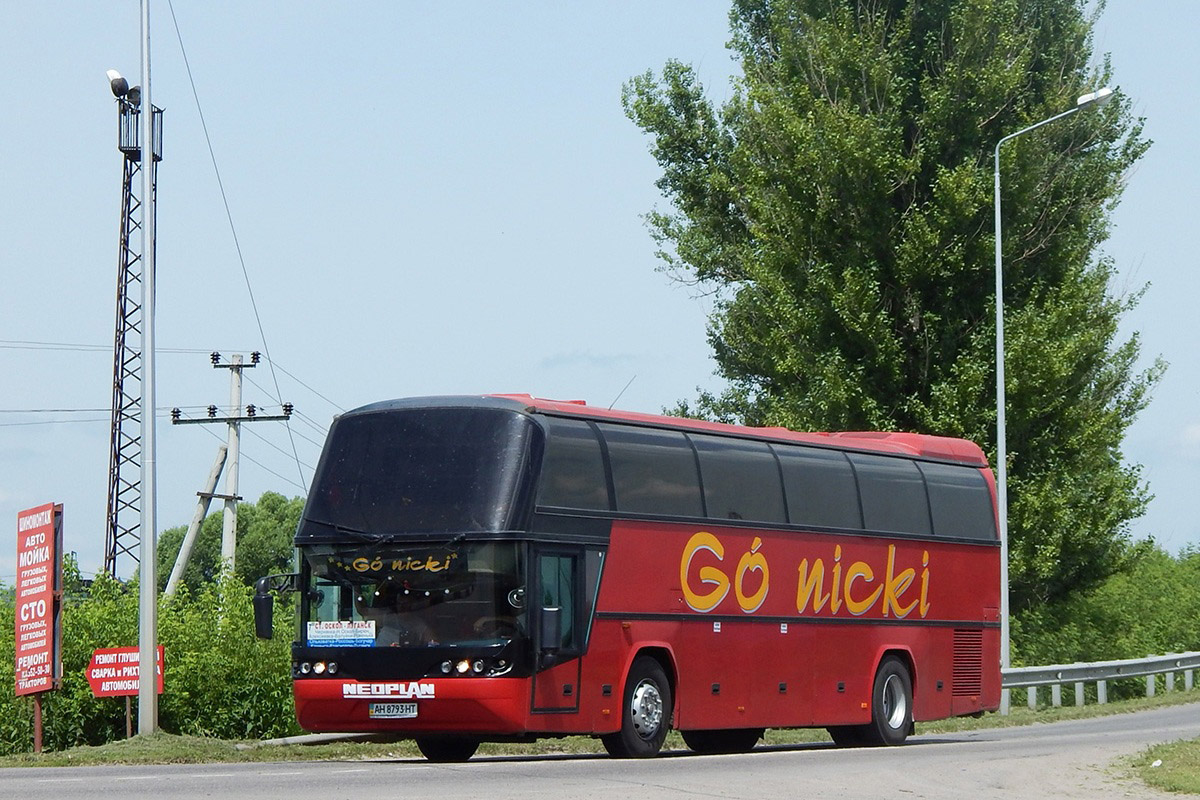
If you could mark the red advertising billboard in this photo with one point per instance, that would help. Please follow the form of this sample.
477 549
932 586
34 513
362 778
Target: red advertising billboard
114 671
39 578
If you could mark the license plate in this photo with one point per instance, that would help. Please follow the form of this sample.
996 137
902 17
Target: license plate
392 710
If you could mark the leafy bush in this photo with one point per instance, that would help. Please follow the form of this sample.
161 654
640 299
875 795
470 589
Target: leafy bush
219 680
1152 608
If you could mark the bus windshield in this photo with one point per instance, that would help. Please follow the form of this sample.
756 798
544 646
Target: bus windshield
419 471
414 596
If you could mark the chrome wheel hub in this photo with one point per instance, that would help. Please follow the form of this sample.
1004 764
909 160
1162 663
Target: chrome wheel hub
895 702
646 709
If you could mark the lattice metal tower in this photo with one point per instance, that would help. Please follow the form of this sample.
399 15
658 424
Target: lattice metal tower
125 450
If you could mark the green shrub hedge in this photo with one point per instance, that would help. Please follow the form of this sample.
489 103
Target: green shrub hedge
219 680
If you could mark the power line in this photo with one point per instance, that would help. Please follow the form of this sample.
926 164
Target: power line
313 442
271 444
259 464
50 422
160 411
303 417
18 344
232 228
314 391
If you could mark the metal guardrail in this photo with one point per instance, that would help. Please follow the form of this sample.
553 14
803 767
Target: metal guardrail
1100 672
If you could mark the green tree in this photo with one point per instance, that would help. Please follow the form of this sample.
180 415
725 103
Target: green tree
264 531
839 207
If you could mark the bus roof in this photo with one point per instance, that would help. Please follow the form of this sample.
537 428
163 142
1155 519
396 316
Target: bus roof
942 448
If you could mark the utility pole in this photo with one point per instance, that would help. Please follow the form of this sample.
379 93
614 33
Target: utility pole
229 530
234 421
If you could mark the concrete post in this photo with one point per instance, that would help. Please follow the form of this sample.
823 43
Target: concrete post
189 539
229 529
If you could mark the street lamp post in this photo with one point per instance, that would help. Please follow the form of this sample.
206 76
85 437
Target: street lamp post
1090 100
148 558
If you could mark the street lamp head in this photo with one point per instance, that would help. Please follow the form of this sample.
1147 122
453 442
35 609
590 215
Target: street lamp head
1096 98
119 86
122 90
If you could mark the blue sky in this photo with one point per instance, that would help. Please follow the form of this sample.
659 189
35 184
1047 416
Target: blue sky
430 198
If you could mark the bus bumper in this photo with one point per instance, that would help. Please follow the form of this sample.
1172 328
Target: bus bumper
481 706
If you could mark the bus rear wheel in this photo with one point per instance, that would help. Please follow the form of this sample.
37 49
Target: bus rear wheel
846 735
891 710
446 750
891 704
735 740
645 712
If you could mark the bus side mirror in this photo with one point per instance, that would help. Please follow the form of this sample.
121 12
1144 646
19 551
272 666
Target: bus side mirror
551 630
264 610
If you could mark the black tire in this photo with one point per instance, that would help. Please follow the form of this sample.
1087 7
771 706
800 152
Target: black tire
446 750
891 704
846 735
646 708
734 740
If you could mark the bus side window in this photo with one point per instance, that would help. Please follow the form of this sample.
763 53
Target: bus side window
572 474
654 471
820 488
741 479
893 494
960 501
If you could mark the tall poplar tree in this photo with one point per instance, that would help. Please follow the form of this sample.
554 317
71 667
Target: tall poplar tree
839 207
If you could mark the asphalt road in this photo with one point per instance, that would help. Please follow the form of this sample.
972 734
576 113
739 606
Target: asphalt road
1060 760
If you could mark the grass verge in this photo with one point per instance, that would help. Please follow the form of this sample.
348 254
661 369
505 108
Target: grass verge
165 748
1172 767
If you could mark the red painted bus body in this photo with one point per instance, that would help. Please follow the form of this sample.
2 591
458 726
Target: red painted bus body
742 624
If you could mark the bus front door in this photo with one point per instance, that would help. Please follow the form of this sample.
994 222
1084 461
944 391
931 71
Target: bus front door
557 640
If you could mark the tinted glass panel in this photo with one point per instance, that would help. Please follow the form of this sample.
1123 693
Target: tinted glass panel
961 502
893 494
558 591
421 471
572 473
654 472
820 487
741 479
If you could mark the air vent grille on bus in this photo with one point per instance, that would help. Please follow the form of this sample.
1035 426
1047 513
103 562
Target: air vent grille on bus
968 663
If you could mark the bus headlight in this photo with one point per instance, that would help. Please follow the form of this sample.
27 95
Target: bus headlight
477 667
319 668
446 667
463 667
305 668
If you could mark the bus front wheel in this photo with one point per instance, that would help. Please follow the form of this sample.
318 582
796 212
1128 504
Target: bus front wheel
645 712
446 750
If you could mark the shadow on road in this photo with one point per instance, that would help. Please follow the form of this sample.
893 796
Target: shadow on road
760 750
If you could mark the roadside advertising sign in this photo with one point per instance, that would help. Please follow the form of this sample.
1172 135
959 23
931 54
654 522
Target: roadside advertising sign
114 671
38 589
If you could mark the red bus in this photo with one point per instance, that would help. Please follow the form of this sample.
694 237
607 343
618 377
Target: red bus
504 568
